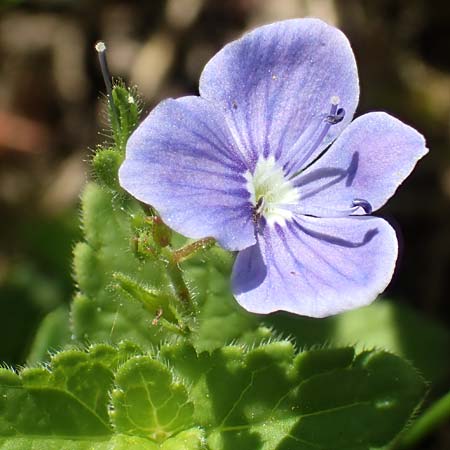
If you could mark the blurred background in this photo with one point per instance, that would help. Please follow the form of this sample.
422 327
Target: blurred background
52 116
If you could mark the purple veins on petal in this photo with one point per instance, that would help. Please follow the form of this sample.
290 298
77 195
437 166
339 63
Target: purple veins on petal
369 160
318 267
183 161
268 162
281 77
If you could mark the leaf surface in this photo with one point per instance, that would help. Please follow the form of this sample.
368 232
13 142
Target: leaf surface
266 398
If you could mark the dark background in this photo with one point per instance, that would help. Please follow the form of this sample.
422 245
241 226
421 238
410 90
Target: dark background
52 114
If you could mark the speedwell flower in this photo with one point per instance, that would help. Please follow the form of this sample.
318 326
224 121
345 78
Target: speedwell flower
245 163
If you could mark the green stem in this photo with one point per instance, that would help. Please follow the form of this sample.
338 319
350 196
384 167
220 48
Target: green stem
433 417
176 278
189 250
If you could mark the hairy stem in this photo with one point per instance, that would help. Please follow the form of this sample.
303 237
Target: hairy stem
189 250
176 278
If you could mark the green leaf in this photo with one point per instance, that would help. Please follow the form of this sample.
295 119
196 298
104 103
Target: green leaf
44 410
370 402
387 325
66 406
149 402
268 398
265 398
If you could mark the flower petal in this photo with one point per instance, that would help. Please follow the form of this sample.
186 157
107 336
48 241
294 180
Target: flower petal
316 267
276 83
368 161
183 161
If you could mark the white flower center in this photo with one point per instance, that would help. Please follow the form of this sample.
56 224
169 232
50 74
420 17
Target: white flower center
269 188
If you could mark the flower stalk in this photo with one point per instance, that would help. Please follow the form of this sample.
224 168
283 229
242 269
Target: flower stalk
192 249
175 276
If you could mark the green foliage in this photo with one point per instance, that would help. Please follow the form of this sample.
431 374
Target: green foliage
268 397
105 310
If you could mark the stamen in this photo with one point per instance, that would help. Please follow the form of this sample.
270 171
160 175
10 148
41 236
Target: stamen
333 120
335 116
319 211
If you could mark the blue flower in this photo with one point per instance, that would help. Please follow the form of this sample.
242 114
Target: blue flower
244 163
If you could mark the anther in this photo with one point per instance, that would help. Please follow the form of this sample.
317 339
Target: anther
364 204
336 118
336 115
